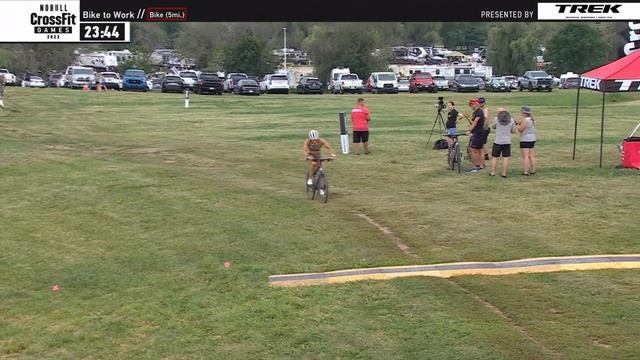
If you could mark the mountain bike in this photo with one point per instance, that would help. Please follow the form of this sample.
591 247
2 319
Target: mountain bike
320 187
454 158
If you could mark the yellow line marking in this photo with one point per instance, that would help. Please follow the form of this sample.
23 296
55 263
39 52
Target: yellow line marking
534 265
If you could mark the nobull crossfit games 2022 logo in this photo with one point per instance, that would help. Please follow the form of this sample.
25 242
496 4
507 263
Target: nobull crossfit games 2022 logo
53 19
40 21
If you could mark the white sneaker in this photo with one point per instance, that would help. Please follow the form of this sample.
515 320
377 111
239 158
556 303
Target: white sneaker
309 182
321 192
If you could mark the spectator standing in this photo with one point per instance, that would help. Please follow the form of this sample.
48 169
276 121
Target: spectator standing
477 132
505 128
487 130
527 129
360 117
452 121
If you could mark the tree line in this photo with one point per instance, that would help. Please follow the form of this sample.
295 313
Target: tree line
511 47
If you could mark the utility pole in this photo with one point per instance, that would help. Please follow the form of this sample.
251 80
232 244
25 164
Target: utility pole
285 50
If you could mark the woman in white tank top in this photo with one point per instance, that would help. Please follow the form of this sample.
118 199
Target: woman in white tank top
527 129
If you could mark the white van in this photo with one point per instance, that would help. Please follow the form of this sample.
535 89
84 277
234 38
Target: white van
383 82
335 74
79 76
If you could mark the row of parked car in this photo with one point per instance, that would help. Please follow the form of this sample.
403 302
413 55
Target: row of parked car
342 81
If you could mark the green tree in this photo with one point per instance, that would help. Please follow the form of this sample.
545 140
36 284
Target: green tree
148 36
250 55
348 45
511 48
202 43
577 47
8 59
139 59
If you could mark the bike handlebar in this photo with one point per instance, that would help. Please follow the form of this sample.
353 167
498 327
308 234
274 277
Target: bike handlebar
321 159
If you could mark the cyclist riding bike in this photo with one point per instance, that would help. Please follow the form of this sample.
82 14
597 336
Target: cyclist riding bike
312 151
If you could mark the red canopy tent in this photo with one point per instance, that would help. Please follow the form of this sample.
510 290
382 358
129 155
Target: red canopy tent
622 75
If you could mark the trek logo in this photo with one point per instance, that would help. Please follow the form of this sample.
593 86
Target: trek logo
610 85
588 11
590 83
589 8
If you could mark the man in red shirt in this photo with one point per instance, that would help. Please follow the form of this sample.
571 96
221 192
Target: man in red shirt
360 118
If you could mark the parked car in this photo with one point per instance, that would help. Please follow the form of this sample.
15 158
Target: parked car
403 85
274 83
556 80
309 85
246 87
348 83
441 82
189 78
232 78
481 84
334 78
497 84
134 79
422 81
536 80
383 82
172 83
9 78
54 79
35 82
109 79
465 83
254 78
366 85
79 76
512 81
569 83
209 83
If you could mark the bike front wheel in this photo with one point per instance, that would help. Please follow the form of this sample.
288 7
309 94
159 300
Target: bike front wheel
311 189
322 188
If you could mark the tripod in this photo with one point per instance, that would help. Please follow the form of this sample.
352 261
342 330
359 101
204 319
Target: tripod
437 121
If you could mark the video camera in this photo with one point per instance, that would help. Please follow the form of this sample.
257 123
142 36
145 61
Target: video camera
440 104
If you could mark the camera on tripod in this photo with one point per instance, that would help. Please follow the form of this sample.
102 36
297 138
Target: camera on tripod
439 119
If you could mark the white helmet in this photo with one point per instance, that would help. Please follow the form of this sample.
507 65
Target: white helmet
313 134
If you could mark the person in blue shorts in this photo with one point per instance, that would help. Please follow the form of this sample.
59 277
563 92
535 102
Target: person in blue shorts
452 120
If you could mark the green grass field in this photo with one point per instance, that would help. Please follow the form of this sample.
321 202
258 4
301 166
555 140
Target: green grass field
132 204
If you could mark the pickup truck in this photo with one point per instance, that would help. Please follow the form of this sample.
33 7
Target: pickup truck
348 83
231 80
209 83
9 78
535 80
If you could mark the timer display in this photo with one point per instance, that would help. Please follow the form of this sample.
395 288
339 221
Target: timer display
111 31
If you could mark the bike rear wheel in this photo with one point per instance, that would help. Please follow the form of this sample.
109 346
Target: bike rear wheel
322 188
452 157
458 157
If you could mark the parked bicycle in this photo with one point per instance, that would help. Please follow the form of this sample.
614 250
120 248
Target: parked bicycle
320 186
454 158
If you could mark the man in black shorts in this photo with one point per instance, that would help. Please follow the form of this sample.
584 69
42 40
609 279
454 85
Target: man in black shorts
477 136
360 118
